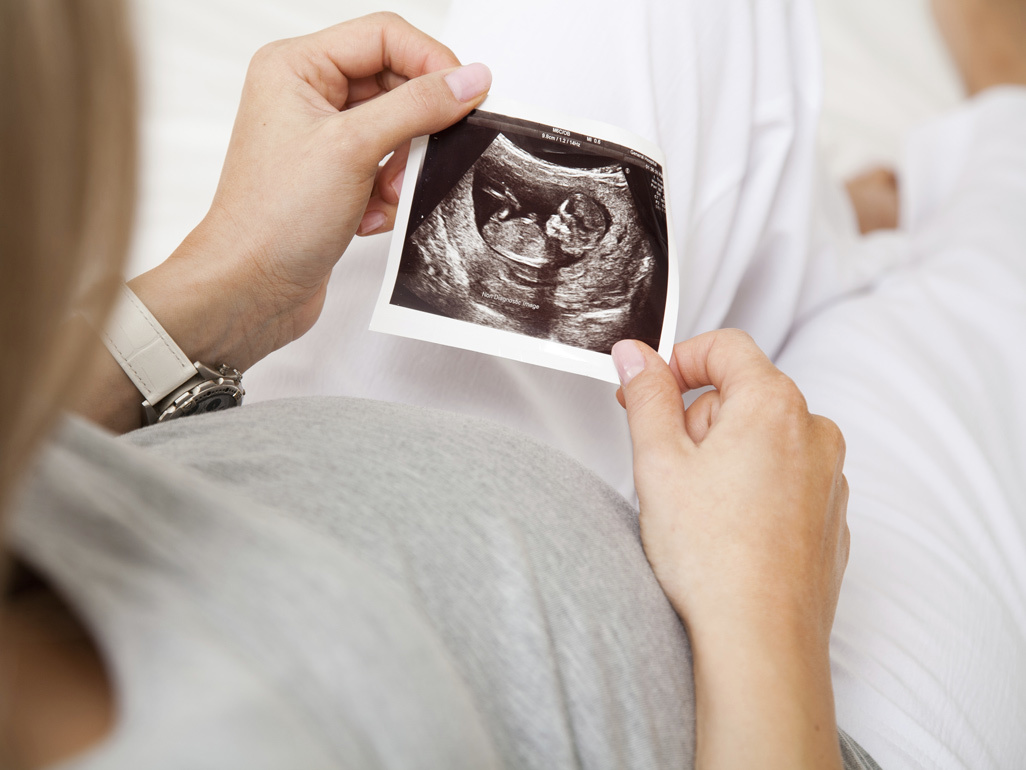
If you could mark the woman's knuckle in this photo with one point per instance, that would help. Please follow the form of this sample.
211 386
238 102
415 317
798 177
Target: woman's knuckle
786 397
267 56
386 18
737 337
270 50
831 435
733 341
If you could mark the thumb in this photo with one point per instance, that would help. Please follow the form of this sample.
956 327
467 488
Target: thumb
422 105
655 409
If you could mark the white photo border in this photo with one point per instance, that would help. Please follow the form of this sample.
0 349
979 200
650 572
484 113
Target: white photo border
429 327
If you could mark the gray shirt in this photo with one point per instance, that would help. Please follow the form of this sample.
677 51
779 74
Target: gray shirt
350 584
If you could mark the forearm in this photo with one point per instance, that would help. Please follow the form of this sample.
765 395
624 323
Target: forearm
764 699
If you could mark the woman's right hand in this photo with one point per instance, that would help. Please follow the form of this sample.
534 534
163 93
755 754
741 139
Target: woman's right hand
303 175
743 519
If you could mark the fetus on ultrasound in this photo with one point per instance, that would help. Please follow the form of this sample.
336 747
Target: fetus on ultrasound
577 226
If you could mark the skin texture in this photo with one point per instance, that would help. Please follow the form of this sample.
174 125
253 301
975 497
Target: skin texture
743 505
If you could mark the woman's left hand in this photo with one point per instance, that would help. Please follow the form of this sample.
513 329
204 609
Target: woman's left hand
318 115
743 519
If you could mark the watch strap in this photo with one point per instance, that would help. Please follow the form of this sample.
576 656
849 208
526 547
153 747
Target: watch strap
144 350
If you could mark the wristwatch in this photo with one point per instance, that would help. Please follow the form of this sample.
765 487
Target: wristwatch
172 386
208 391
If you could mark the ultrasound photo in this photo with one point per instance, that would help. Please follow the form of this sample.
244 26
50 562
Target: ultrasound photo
534 232
529 231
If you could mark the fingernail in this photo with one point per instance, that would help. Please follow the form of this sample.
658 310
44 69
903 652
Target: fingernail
469 82
371 221
629 360
397 183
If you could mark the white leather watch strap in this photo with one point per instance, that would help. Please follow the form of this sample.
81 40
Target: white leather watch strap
144 350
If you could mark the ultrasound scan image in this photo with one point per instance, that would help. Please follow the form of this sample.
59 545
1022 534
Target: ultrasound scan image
539 243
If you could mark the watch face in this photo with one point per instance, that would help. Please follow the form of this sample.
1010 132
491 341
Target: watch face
214 399
214 403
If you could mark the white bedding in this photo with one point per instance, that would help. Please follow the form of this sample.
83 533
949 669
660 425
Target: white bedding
897 691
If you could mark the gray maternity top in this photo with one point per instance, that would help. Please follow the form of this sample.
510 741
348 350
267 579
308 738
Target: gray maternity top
330 583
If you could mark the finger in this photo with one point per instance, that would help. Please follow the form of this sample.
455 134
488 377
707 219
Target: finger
378 217
424 105
384 201
365 89
700 416
355 61
390 177
727 360
380 42
655 410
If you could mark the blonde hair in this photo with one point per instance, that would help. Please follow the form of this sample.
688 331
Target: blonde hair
67 186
